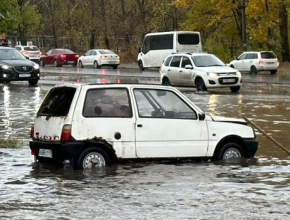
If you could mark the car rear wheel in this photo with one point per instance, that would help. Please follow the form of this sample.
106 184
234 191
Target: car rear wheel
56 64
254 70
273 72
115 67
32 82
199 84
166 82
235 88
230 150
93 157
140 65
81 64
96 65
41 63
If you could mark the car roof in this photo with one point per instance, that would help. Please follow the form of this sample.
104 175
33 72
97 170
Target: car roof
7 48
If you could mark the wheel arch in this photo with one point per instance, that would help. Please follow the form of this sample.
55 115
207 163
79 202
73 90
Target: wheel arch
234 139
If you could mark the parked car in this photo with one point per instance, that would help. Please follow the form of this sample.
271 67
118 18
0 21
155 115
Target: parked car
91 125
99 58
30 51
59 57
201 70
16 67
256 61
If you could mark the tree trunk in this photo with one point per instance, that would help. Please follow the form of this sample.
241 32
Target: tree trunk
283 14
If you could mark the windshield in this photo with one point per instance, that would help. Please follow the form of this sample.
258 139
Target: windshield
206 60
11 54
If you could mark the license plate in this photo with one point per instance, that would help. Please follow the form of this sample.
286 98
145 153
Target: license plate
24 75
228 80
32 55
111 62
45 153
270 62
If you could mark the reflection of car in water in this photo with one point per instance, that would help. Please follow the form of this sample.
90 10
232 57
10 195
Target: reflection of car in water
91 125
15 67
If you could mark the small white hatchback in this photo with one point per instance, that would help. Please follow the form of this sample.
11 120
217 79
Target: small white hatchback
201 70
96 125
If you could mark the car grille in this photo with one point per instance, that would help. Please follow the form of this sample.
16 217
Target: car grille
227 74
23 69
228 80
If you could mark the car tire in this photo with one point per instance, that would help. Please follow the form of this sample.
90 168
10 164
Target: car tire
199 85
166 82
273 72
115 67
80 64
93 157
41 63
56 64
235 88
33 82
254 70
96 65
230 150
140 65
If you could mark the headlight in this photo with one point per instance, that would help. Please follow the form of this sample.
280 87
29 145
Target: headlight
36 66
5 67
213 75
238 74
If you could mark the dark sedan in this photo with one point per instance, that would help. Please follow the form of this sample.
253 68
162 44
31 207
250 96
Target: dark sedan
16 67
59 57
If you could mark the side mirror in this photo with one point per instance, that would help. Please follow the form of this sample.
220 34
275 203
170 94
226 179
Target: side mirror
188 66
201 116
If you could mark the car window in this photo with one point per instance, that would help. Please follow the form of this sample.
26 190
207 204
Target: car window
185 61
88 53
93 53
106 52
31 48
18 48
251 56
167 61
49 52
206 60
268 55
11 54
175 61
242 57
107 103
153 103
57 102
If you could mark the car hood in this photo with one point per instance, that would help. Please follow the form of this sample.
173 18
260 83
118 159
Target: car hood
216 69
228 119
16 62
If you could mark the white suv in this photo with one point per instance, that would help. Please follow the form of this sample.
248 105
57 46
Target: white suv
254 62
30 51
201 70
94 125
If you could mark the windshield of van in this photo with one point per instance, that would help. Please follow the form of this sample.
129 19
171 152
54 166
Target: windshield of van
57 102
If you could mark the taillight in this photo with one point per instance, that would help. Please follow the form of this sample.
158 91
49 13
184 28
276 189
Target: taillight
33 152
66 133
261 62
103 57
62 56
32 131
76 55
25 53
277 63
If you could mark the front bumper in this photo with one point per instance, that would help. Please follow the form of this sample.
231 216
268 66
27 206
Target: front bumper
11 75
251 147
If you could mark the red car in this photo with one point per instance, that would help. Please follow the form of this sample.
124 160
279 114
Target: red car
59 57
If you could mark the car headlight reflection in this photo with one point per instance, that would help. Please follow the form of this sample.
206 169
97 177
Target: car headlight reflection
213 75
5 67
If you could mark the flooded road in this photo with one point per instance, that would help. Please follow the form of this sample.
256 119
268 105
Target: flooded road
255 189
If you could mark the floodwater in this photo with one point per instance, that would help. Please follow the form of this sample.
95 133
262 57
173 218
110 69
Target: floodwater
254 189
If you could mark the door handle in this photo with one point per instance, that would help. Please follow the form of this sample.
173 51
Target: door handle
139 125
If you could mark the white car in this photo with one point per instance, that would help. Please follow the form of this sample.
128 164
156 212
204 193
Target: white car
30 51
91 125
256 61
99 58
200 70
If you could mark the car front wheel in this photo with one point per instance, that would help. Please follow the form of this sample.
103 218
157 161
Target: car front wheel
81 64
273 72
93 157
32 82
140 65
41 63
230 150
199 84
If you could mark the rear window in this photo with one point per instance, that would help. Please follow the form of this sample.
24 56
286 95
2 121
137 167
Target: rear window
31 48
106 52
188 39
57 102
268 55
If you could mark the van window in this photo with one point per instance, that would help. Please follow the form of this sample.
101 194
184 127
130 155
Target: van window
160 42
57 102
268 55
188 39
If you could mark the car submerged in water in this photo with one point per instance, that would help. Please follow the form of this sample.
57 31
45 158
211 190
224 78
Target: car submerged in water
93 125
16 67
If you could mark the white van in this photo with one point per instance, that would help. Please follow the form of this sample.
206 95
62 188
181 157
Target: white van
157 46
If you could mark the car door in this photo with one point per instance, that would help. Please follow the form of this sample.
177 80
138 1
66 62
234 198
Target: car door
92 57
240 63
185 75
250 60
49 56
85 58
173 70
167 127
